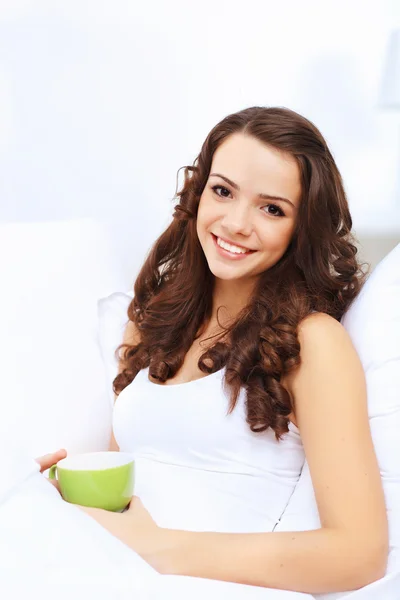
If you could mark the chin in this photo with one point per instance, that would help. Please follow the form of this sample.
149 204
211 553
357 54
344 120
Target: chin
226 273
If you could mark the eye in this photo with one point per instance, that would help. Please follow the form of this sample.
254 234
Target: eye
221 187
277 211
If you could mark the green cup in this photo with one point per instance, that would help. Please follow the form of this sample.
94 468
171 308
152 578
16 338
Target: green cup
98 479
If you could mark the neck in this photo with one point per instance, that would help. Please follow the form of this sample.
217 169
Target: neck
230 297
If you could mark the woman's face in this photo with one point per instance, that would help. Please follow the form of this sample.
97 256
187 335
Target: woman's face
234 211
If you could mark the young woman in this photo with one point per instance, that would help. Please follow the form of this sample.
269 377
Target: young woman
235 370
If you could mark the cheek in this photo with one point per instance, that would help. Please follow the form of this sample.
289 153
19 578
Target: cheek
205 216
277 236
200 222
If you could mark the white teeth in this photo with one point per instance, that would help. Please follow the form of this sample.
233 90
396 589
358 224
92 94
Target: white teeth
234 249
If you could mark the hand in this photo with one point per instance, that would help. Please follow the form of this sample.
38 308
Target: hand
135 528
139 517
146 537
48 460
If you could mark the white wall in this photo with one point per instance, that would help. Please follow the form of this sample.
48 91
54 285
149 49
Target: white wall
101 102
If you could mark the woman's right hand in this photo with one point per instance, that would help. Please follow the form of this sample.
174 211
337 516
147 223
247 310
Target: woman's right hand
48 460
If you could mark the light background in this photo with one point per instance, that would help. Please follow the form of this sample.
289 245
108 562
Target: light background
102 102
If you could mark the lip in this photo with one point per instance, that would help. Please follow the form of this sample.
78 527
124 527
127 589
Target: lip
231 243
227 254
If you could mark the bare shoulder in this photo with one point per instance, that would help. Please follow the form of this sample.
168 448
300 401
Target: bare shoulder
323 338
324 342
330 371
319 323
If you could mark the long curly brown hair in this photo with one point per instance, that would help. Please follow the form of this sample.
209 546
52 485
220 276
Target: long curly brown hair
318 272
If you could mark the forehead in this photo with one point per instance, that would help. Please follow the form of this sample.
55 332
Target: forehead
257 167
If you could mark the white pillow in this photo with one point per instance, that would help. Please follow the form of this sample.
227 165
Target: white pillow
52 385
373 323
113 319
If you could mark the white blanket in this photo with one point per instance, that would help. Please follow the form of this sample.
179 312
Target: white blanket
51 549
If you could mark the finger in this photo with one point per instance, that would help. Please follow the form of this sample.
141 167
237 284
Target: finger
135 502
48 460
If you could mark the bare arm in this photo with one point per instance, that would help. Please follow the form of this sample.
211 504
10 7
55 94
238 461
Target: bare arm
131 336
351 547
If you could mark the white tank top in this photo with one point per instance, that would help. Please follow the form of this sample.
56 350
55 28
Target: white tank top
199 468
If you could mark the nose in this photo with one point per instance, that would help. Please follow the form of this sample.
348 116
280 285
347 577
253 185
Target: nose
237 219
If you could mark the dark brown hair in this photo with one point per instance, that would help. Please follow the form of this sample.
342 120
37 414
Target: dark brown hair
318 272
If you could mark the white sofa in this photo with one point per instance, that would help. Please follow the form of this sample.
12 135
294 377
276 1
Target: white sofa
63 315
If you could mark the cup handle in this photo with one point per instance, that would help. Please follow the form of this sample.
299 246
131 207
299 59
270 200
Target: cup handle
52 472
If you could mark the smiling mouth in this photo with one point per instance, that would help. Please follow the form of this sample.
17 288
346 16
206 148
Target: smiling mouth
246 251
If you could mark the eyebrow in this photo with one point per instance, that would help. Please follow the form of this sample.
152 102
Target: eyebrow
263 196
